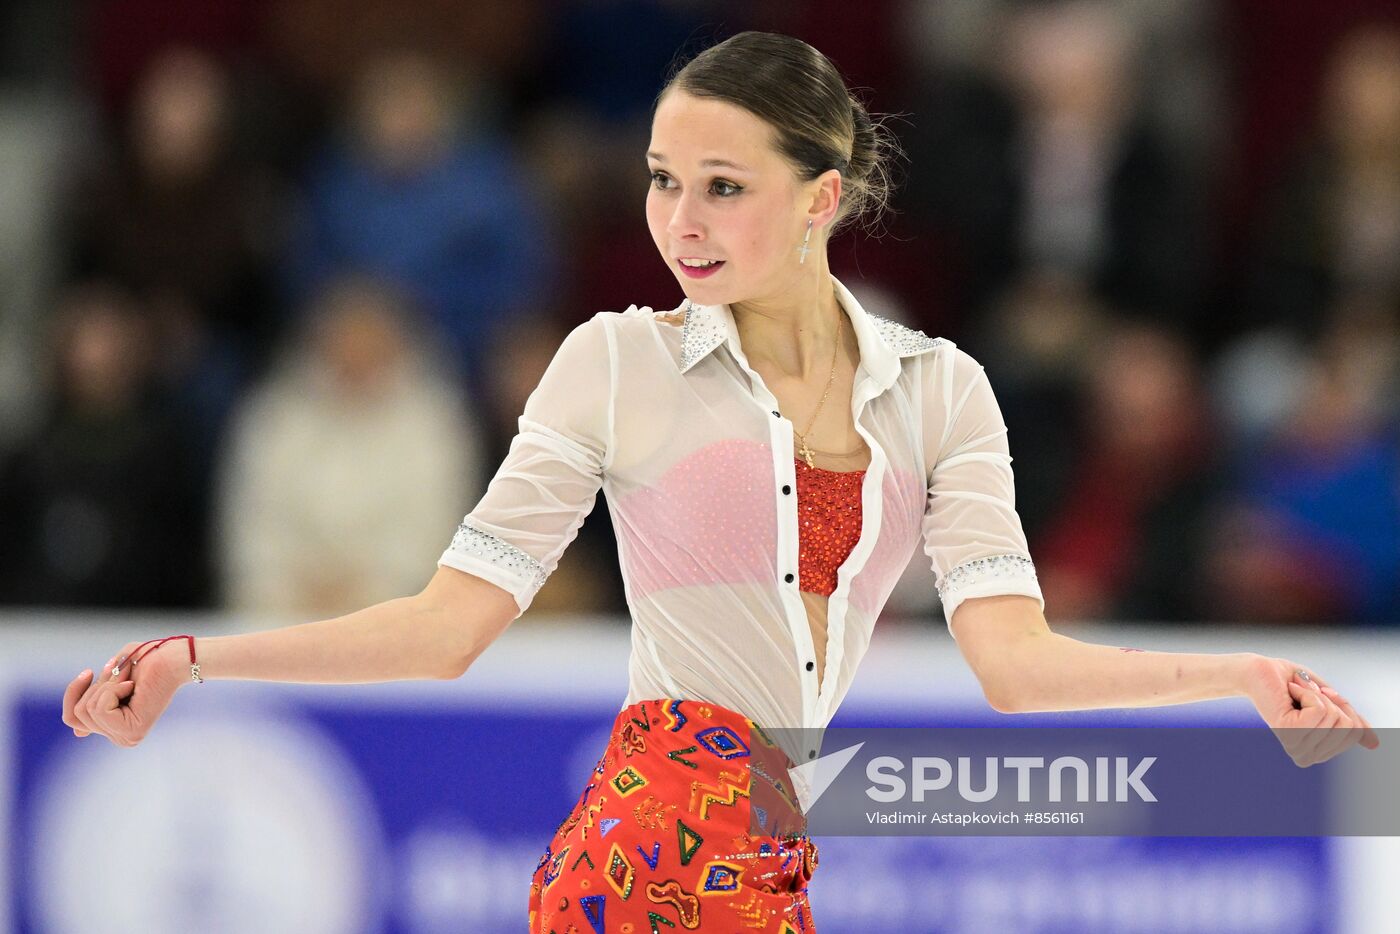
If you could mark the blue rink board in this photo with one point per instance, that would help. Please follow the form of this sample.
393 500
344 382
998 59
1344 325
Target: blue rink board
451 807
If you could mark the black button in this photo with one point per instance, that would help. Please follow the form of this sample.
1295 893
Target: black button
787 490
788 578
777 415
812 754
811 665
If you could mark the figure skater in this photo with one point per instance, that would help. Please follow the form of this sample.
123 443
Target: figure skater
772 454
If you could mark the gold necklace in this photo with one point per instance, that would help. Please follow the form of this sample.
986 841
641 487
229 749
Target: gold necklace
858 449
805 451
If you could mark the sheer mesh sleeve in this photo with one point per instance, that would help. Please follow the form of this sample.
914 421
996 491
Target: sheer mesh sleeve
971 529
548 481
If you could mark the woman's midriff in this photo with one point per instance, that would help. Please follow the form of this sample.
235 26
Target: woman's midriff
816 605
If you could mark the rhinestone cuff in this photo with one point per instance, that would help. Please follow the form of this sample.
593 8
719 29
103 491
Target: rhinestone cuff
474 543
984 569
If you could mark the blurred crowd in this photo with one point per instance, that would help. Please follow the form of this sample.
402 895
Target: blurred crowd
278 276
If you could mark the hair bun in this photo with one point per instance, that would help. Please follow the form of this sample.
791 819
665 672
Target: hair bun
865 145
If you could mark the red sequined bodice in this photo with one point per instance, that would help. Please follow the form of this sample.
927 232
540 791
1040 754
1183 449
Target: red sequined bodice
828 523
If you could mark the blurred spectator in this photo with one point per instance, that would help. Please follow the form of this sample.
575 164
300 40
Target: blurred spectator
177 218
348 469
174 213
35 134
1050 164
1178 57
1037 346
1132 519
119 43
1313 534
425 198
1334 226
101 503
1260 379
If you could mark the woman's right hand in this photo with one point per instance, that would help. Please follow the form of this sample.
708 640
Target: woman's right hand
125 707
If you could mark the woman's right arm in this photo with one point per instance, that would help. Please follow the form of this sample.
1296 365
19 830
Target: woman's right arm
435 634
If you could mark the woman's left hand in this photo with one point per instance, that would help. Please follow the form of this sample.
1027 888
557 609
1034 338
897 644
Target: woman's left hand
1310 718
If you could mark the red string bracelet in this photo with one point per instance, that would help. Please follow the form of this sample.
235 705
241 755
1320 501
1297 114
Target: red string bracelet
154 644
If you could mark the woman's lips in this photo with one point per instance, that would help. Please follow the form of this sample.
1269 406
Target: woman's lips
700 273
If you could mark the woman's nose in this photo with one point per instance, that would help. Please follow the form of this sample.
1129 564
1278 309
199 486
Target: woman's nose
684 223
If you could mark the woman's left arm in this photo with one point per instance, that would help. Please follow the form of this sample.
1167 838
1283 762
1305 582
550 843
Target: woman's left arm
1024 667
993 604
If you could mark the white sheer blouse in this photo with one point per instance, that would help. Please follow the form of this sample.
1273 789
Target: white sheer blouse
687 444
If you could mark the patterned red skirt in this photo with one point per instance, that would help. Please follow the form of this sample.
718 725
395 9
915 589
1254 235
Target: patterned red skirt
688 823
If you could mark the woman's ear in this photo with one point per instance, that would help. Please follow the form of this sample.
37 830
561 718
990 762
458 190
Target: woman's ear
826 198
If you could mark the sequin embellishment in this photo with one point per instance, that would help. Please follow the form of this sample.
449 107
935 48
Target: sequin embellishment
493 550
828 523
701 333
904 341
975 572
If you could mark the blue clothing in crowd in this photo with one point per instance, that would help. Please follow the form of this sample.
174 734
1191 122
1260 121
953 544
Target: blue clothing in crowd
464 236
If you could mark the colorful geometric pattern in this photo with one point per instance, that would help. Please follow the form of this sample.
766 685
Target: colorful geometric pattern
654 857
727 792
690 842
679 755
620 872
628 781
678 781
720 877
593 907
723 742
686 904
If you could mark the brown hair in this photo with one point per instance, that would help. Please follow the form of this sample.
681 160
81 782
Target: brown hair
818 124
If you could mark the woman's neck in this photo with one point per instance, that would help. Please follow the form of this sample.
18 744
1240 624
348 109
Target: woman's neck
795 329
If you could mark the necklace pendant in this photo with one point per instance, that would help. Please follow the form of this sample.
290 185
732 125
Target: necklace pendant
806 453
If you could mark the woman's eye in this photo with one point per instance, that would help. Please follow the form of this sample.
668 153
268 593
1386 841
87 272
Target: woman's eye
662 182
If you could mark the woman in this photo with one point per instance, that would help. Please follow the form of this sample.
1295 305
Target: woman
771 454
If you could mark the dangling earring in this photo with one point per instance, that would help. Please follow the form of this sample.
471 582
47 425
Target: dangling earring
803 250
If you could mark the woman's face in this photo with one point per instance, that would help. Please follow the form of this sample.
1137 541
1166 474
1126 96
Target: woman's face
721 192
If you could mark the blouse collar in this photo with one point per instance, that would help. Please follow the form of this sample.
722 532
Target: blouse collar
882 342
